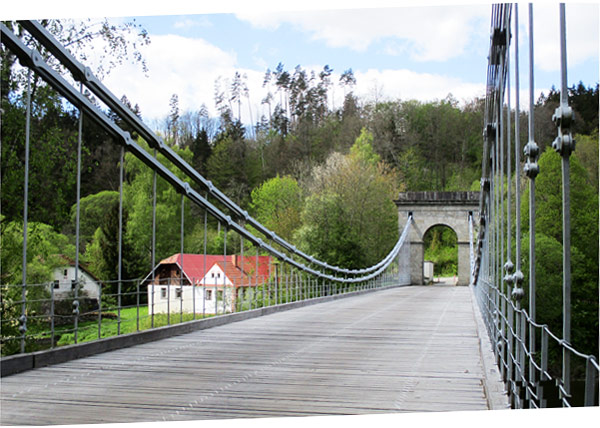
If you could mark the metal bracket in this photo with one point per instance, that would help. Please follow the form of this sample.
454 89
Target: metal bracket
563 118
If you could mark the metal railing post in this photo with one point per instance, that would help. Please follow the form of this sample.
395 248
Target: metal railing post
153 263
531 171
204 265
248 288
51 315
544 366
182 256
137 305
23 318
565 145
225 270
77 220
591 381
100 311
120 242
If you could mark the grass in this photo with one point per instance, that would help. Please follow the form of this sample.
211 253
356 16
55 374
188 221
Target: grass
39 334
88 330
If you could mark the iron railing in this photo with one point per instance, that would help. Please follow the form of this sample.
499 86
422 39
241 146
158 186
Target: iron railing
523 346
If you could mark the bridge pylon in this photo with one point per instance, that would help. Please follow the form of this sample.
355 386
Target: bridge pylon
429 209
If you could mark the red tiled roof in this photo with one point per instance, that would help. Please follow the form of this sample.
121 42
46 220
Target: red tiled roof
195 266
239 278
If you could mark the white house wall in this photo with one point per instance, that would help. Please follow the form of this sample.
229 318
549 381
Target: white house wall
214 276
89 287
166 300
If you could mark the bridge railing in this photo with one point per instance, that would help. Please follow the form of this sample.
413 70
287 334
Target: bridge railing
37 316
524 347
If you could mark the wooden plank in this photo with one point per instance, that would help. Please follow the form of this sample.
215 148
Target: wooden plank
398 350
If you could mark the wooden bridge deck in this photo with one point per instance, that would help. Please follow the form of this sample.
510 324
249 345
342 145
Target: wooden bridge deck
409 349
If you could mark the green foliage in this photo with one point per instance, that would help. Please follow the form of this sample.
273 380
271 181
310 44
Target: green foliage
441 248
587 154
92 211
584 205
434 145
88 330
549 292
350 219
277 204
201 150
52 159
53 137
362 149
98 261
137 196
233 167
44 247
584 249
583 100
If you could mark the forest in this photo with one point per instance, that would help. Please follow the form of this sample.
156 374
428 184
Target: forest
323 178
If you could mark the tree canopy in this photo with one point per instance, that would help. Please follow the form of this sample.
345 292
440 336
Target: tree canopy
349 218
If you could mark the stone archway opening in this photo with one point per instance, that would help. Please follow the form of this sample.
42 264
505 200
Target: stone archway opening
440 244
429 209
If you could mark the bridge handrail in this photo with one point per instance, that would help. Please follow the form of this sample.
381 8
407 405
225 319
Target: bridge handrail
541 368
84 74
499 283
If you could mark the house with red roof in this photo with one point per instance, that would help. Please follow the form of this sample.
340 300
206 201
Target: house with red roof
203 283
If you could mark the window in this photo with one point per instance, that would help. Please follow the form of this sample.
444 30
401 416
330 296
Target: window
163 292
56 284
220 295
208 294
65 273
178 293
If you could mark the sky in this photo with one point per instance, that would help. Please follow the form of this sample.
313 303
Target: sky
397 50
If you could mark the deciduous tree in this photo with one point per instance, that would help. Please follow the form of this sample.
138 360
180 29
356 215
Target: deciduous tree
277 204
350 219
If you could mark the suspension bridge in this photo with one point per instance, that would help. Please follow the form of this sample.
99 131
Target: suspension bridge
280 333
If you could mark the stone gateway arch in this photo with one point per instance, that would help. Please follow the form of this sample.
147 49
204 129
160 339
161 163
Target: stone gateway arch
430 209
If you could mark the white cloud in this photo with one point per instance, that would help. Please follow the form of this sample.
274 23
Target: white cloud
427 33
407 84
184 66
42 9
188 23
582 34
189 68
